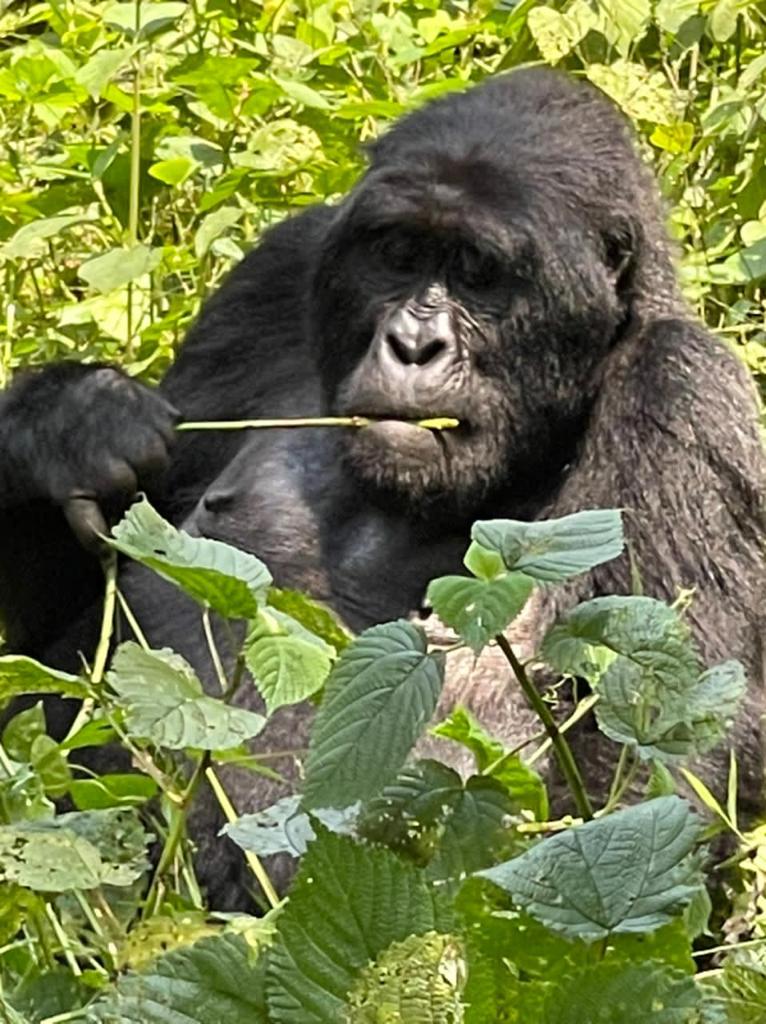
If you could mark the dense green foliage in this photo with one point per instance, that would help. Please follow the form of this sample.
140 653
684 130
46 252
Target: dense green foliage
138 163
143 146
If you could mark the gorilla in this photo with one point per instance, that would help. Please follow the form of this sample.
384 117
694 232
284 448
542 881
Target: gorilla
502 261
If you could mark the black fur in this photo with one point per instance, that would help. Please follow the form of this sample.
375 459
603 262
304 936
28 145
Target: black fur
503 261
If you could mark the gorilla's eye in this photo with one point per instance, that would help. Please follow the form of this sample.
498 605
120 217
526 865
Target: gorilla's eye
477 271
399 251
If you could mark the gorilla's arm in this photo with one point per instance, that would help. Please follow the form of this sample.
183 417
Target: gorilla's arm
77 441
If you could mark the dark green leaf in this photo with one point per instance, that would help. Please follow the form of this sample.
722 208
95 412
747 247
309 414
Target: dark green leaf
479 609
349 903
378 699
216 979
630 871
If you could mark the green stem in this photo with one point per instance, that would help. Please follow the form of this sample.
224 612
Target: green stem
562 749
107 619
175 834
436 423
127 611
214 653
253 862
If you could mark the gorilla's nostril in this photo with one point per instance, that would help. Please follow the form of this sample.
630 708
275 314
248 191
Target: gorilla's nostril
430 351
218 499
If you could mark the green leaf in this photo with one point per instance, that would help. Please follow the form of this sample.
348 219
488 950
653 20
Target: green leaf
638 652
484 564
117 267
554 549
643 94
286 669
299 92
285 828
722 20
112 790
557 33
349 902
20 675
670 15
378 699
74 851
288 662
214 574
312 615
101 68
418 980
153 18
213 226
30 241
430 815
625 22
740 992
674 717
174 171
478 609
164 702
631 871
216 979
617 993
522 783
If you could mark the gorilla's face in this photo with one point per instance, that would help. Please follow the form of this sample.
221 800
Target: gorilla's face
431 300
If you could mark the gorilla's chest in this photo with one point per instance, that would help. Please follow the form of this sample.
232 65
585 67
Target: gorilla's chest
290 501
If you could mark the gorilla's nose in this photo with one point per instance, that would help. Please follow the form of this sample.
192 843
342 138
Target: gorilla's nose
416 338
218 499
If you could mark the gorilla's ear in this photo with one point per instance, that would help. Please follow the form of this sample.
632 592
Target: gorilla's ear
622 240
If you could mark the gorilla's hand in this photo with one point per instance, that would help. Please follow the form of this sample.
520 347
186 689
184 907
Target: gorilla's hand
84 437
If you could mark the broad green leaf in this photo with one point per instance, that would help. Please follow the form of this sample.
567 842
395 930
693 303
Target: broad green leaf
669 717
419 980
478 609
671 14
164 702
302 93
174 171
286 669
631 871
312 615
101 68
152 17
214 574
30 241
74 851
285 828
673 138
522 783
651 694
618 993
216 979
118 267
643 94
214 225
484 564
378 699
288 662
20 675
349 902
588 639
722 20
436 819
557 33
554 549
625 21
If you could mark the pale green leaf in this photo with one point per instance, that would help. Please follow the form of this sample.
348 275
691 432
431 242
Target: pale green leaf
214 574
118 267
164 702
20 675
478 609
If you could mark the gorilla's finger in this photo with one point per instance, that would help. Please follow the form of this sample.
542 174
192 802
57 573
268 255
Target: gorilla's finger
86 521
117 479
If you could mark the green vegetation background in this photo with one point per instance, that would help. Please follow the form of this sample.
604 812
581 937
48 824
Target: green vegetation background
145 145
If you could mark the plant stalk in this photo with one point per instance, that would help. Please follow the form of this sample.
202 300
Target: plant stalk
562 749
436 423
